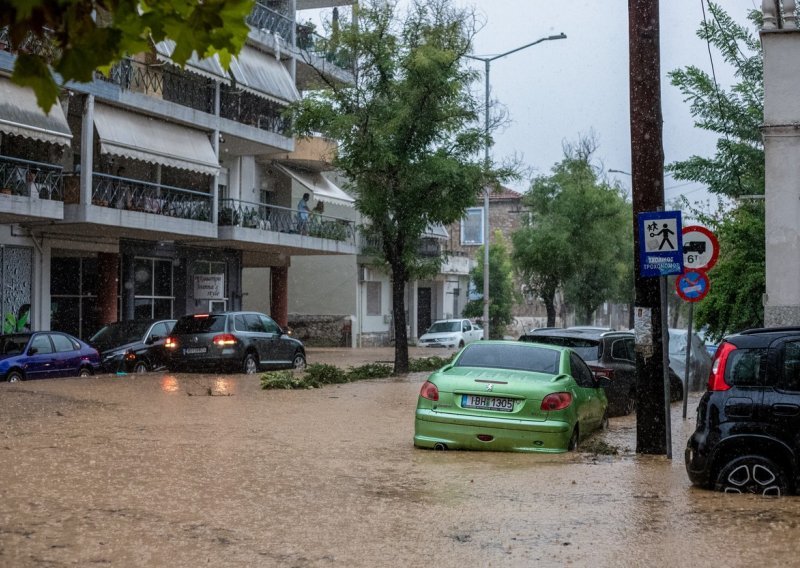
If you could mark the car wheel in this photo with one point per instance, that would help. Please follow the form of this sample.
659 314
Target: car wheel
250 364
629 406
15 377
299 361
752 474
573 440
461 344
604 421
85 372
140 367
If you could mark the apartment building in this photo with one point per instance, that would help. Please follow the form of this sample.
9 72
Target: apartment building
152 191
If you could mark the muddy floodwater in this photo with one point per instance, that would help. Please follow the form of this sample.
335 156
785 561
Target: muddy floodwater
209 470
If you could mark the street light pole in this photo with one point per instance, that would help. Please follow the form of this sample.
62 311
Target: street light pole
487 62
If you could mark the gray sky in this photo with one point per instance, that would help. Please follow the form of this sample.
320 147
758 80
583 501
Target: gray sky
558 90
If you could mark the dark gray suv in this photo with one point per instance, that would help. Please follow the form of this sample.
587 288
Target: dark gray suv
244 341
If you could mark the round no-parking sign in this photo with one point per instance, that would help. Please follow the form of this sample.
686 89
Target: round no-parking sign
692 285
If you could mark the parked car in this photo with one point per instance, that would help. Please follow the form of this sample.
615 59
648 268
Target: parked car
452 333
609 354
700 360
245 341
747 437
45 355
133 346
510 396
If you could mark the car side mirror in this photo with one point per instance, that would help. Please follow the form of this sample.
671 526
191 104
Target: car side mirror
33 351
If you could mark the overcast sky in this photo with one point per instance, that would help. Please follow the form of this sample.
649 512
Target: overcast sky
558 90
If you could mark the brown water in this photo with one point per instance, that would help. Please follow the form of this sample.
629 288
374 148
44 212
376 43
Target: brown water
188 470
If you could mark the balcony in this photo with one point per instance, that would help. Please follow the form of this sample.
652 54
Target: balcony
260 226
30 191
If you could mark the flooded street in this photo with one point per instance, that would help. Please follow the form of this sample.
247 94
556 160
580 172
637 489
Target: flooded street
189 470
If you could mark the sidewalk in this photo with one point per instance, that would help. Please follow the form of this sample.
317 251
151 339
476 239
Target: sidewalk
344 357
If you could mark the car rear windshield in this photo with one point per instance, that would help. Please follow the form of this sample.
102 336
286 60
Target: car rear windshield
445 326
120 333
200 324
510 356
13 344
588 349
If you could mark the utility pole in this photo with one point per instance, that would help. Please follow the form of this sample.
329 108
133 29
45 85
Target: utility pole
647 163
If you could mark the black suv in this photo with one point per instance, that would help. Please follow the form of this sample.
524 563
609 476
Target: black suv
245 341
610 355
133 346
747 438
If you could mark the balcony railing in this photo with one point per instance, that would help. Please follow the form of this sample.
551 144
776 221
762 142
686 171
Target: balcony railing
250 109
44 46
284 220
135 195
31 179
268 19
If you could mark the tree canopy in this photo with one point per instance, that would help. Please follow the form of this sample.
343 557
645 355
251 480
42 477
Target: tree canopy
407 130
89 35
738 282
576 238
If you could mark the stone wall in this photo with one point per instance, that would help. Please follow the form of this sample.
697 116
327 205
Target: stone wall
322 331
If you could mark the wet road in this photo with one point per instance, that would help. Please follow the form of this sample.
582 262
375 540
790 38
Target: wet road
189 470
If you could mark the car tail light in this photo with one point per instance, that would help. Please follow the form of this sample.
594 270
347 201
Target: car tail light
130 356
601 373
429 391
716 379
200 316
556 401
224 339
170 343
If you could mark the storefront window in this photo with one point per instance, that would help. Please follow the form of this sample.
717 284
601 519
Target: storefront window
73 295
153 288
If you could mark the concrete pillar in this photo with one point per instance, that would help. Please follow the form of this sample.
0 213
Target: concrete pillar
782 165
87 152
107 286
279 301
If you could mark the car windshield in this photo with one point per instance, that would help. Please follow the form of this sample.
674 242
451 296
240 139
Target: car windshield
588 349
200 324
120 333
13 344
518 357
445 326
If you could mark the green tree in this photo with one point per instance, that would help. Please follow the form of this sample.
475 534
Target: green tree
407 129
94 34
576 237
738 281
501 287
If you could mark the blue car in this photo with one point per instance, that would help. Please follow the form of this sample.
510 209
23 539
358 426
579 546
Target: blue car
45 355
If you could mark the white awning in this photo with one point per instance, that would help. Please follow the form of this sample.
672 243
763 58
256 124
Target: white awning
144 138
20 115
263 75
322 188
209 67
436 231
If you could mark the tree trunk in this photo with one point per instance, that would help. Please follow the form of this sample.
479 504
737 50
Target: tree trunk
550 306
399 317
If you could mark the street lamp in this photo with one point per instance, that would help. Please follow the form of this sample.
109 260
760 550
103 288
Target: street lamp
487 61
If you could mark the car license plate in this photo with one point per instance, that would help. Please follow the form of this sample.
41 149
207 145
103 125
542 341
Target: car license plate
487 402
194 350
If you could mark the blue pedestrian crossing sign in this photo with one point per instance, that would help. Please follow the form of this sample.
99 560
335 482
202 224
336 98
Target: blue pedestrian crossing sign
660 239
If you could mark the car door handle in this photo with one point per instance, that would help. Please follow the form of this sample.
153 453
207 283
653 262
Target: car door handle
786 409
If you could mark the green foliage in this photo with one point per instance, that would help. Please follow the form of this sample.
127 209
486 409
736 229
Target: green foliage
407 130
501 287
369 371
94 34
578 236
321 374
424 364
738 280
282 380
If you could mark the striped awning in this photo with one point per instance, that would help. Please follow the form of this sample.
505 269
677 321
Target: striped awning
20 115
263 75
321 187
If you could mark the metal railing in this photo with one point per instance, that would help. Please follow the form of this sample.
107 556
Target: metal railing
323 47
44 47
252 110
267 19
284 220
135 195
31 179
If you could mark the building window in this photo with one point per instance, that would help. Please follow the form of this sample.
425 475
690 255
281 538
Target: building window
472 227
73 295
153 296
374 298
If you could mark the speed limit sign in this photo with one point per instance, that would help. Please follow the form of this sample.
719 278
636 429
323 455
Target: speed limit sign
700 248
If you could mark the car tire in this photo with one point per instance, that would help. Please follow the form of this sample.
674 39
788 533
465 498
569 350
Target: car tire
461 344
604 421
299 361
15 376
140 367
250 364
752 474
84 372
574 440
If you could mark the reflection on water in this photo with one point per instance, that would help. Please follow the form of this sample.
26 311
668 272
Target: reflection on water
169 384
196 385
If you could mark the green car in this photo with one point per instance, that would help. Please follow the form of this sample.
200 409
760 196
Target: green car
511 396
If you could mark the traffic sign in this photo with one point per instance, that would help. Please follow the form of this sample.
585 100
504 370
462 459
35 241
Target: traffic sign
700 248
692 285
660 239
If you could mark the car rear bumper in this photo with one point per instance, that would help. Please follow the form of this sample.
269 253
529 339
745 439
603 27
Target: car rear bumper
214 358
461 433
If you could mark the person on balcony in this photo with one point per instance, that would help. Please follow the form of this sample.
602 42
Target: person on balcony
303 213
